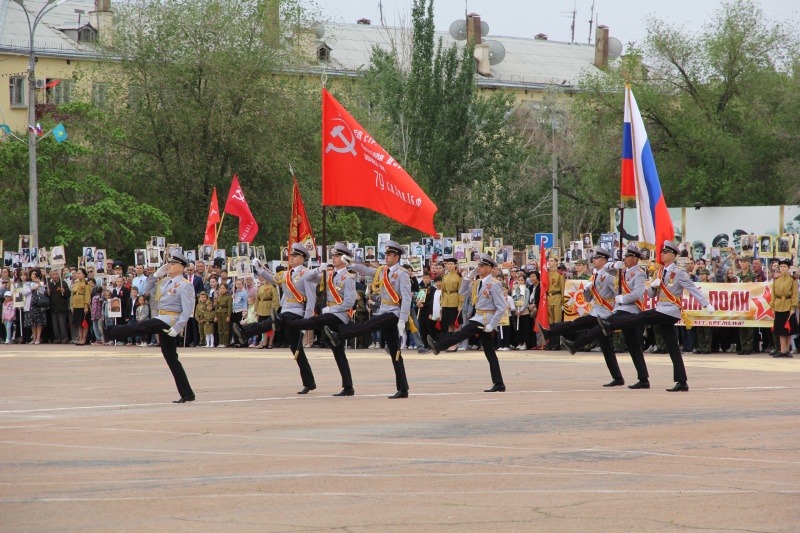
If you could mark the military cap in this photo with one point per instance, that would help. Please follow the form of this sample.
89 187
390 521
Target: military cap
487 260
787 262
450 260
746 259
580 262
392 246
203 293
299 249
599 251
739 233
177 257
720 239
118 264
341 249
632 250
670 247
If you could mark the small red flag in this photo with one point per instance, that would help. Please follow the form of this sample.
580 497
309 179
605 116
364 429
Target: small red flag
300 227
544 284
237 206
213 219
357 172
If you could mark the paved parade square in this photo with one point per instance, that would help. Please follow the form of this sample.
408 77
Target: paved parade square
90 441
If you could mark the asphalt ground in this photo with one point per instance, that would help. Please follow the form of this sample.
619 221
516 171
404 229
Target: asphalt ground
90 441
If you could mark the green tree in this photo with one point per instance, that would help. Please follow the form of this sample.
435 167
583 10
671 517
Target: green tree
720 110
201 94
430 117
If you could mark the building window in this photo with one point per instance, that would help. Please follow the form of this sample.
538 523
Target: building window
59 94
87 35
99 94
17 90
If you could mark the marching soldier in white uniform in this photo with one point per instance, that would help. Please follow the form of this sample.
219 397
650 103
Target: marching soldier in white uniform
297 302
340 292
175 296
668 286
390 319
627 302
490 305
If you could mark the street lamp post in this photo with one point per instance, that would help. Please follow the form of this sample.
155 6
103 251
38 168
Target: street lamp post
554 161
33 196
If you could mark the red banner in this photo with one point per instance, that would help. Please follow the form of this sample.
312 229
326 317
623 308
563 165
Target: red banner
357 172
736 304
213 219
300 227
237 206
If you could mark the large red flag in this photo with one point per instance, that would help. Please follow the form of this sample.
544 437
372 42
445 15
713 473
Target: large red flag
544 284
237 206
356 171
213 219
300 227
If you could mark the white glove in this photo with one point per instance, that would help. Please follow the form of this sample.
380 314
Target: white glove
472 273
326 310
172 332
162 271
488 328
588 286
656 283
710 309
401 327
619 298
619 265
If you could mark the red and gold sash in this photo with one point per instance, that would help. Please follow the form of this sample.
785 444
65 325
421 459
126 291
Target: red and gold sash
290 285
596 295
395 298
334 293
668 295
627 290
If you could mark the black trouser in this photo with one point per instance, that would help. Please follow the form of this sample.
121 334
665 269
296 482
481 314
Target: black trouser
295 337
60 320
262 326
632 335
192 332
236 318
666 326
472 327
169 347
333 322
523 334
589 322
387 324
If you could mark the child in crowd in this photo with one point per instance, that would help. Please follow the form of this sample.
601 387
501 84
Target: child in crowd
142 313
8 315
109 321
208 328
96 315
251 318
223 306
201 315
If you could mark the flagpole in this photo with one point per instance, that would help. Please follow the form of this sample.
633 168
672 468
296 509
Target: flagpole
621 227
324 238
219 228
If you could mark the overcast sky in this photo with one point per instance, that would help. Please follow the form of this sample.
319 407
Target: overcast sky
526 18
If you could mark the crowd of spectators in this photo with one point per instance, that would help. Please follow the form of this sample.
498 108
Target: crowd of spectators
71 305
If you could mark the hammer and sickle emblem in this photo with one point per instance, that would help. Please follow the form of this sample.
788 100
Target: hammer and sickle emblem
238 195
349 145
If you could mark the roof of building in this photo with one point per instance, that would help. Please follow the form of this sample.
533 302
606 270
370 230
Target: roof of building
48 40
527 62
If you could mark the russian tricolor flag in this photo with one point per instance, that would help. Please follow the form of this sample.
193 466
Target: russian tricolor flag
640 180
